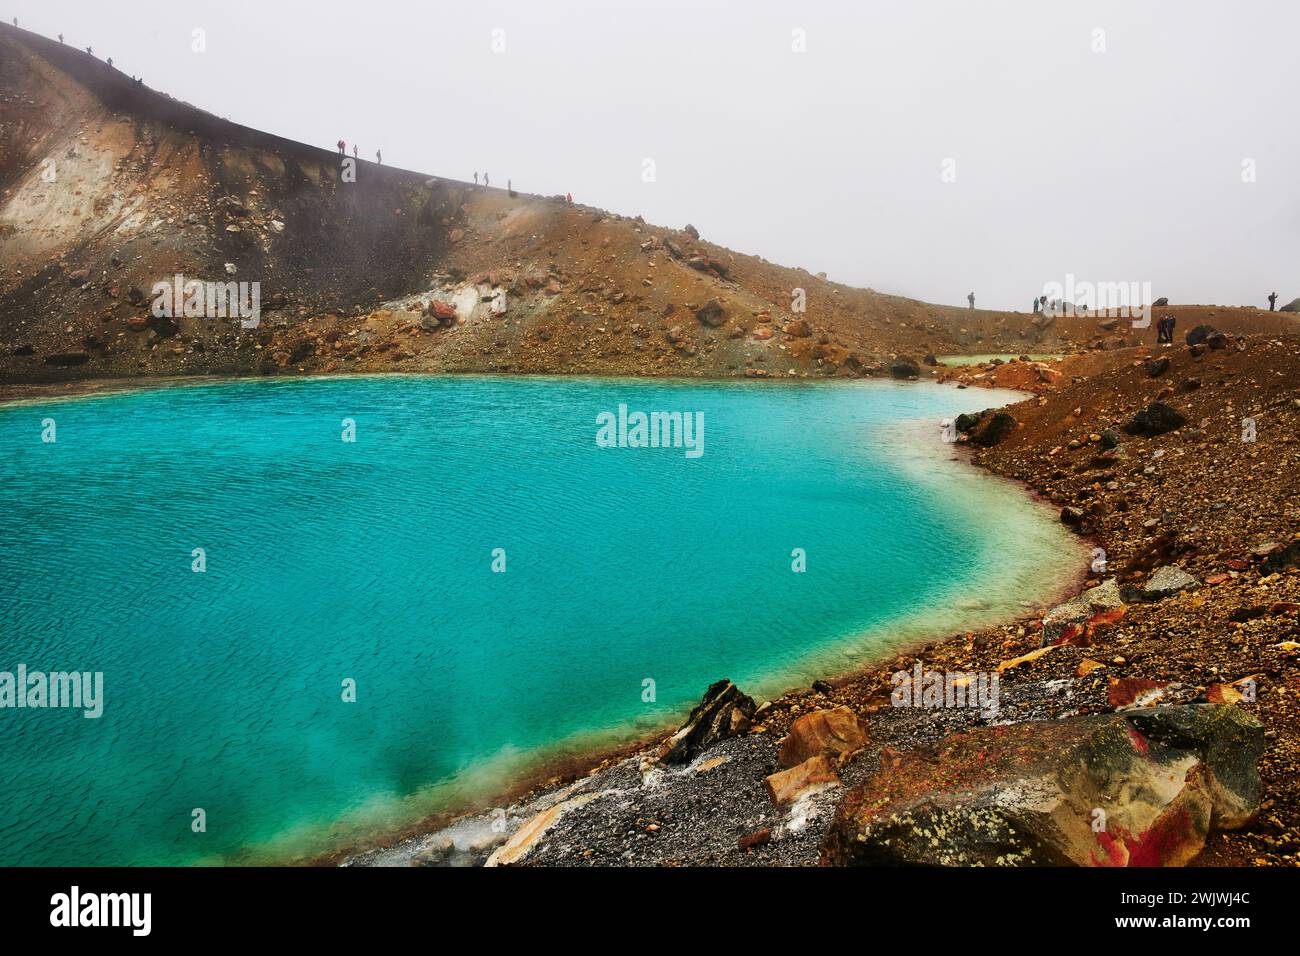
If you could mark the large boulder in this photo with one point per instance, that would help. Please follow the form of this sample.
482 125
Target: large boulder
723 712
1156 419
711 314
904 367
1166 581
1142 788
836 733
1292 306
1199 334
994 428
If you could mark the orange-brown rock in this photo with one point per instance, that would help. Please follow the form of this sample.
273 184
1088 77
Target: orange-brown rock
787 786
836 734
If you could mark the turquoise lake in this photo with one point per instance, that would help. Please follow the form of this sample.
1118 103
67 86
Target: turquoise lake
372 561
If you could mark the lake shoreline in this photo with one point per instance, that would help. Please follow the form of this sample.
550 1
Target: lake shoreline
554 775
572 760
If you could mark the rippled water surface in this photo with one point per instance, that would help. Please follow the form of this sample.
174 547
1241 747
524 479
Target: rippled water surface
372 561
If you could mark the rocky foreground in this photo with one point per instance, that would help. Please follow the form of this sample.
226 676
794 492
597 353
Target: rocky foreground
1150 720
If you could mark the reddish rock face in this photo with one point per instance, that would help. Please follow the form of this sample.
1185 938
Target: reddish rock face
836 734
1141 788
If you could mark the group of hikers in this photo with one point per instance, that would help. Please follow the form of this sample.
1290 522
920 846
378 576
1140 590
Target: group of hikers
343 151
1165 329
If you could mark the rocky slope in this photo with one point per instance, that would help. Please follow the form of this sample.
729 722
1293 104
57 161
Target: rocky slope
107 187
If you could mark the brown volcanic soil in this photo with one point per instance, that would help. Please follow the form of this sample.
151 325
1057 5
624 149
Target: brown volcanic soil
148 187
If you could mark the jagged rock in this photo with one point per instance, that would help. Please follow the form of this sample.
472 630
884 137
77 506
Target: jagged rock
723 712
798 329
1065 623
1199 334
691 231
994 429
787 786
904 367
1157 367
1282 559
1110 438
1132 789
711 314
1104 596
1156 419
1166 581
1071 515
1161 302
837 734
441 311
1292 306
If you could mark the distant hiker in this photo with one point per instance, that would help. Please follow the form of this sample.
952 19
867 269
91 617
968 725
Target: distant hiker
509 188
971 299
354 151
485 180
110 61
1037 303
379 157
60 37
476 177
1169 330
569 198
343 148
90 50
1272 301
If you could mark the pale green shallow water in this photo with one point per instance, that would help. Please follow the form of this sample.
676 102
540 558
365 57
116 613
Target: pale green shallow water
372 560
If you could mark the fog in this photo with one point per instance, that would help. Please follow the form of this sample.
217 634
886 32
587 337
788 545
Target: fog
924 148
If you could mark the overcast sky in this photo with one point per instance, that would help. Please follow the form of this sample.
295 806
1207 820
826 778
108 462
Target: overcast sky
1116 156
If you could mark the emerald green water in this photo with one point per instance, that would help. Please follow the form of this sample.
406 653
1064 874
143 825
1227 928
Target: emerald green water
372 561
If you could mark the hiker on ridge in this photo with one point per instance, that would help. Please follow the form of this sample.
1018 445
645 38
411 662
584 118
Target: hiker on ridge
971 299
379 157
110 62
1272 301
354 151
343 148
476 177
485 180
60 37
